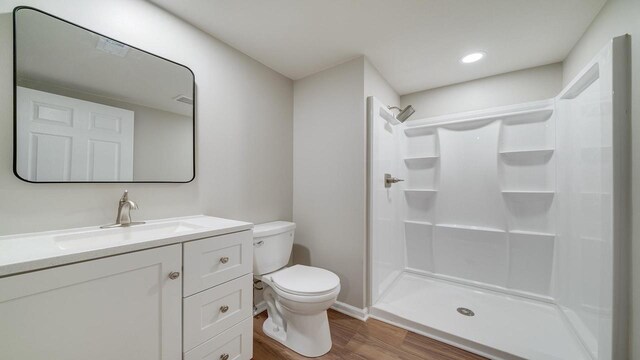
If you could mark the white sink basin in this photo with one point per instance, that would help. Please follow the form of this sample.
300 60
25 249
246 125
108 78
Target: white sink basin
120 235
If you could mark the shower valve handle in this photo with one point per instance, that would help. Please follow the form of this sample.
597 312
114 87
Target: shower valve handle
389 180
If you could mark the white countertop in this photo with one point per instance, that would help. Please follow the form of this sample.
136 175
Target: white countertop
28 252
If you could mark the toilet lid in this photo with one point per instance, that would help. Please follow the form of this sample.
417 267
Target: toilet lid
305 280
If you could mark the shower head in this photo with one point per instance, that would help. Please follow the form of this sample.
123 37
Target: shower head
405 113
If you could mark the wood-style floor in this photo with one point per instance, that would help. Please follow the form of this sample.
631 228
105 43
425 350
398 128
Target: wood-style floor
357 340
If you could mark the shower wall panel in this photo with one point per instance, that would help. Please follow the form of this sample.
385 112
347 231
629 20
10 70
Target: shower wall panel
473 254
585 290
479 200
469 193
386 248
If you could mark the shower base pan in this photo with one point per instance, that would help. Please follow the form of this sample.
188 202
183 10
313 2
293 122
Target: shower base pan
488 323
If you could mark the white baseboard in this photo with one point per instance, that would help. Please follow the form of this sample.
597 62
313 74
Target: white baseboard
360 314
259 307
354 312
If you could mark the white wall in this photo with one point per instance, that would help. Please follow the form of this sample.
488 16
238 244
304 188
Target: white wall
616 18
376 85
539 83
244 129
162 145
330 171
329 188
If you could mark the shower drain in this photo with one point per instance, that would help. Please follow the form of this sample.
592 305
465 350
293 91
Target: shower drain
465 311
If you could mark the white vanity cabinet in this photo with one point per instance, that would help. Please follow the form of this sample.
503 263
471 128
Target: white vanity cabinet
166 290
120 307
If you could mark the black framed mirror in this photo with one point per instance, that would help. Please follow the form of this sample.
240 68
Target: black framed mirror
89 108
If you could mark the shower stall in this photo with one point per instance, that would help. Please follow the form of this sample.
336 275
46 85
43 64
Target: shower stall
509 236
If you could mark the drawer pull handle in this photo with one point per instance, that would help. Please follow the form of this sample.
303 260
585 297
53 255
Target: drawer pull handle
174 275
224 357
224 259
224 308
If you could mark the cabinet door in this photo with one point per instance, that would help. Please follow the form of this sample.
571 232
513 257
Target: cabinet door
121 307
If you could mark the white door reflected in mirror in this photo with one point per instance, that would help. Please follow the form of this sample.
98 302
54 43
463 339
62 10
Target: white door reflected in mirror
66 139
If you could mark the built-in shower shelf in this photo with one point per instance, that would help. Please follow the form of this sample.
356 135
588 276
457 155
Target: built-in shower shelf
534 233
471 227
527 153
414 222
415 159
420 191
527 116
421 130
529 193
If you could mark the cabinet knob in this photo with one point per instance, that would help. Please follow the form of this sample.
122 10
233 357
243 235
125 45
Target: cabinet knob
224 357
224 308
224 259
174 275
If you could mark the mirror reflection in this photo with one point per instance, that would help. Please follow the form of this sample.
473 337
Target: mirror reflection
92 109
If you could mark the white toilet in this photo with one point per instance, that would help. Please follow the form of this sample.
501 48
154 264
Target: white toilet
297 297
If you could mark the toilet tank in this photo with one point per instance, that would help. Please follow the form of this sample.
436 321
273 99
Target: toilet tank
272 244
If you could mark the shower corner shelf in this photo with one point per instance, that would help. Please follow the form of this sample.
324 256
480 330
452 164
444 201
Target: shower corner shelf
533 233
420 191
528 116
415 222
527 152
471 227
526 193
421 158
420 130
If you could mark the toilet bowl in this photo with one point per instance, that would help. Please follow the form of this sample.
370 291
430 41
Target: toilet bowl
297 297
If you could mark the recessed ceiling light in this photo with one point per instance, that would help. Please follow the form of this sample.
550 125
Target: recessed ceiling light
473 57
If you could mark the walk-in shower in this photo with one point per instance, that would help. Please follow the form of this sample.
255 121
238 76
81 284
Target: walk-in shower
509 235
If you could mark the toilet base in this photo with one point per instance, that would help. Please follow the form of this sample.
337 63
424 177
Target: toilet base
308 335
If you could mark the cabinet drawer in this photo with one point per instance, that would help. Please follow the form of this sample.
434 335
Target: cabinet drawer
209 313
236 343
212 261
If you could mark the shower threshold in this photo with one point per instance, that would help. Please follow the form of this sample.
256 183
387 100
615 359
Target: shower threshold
488 323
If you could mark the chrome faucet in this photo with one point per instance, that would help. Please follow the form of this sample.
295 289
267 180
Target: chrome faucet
123 218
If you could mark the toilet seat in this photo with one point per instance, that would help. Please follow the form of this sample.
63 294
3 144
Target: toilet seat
304 281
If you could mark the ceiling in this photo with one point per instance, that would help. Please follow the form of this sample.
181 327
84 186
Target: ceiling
415 44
